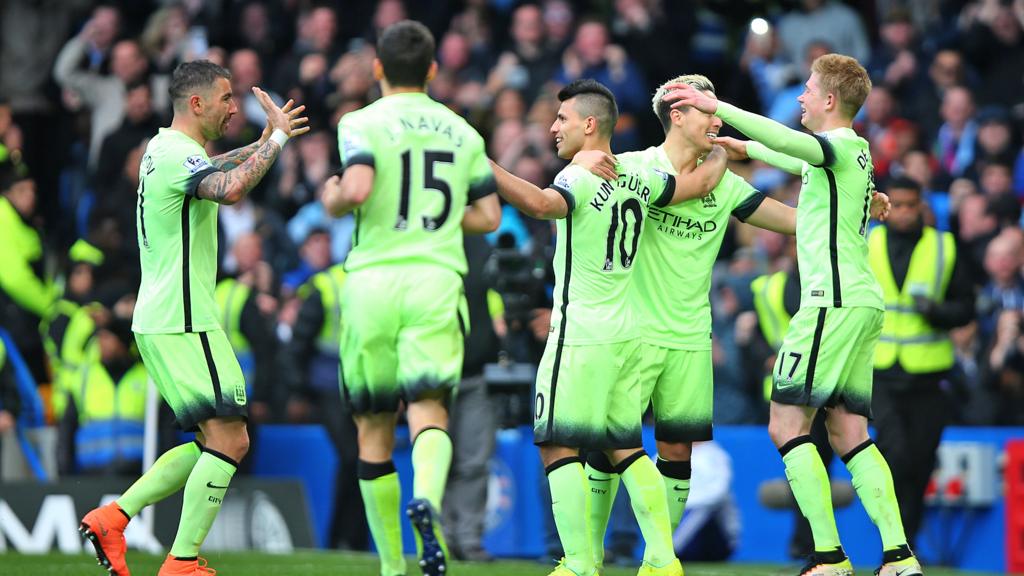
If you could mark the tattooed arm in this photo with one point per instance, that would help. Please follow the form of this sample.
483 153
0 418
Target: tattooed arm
243 168
236 157
231 186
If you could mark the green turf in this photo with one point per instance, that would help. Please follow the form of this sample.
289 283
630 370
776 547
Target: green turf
308 563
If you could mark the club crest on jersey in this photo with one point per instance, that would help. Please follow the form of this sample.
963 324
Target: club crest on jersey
195 163
709 201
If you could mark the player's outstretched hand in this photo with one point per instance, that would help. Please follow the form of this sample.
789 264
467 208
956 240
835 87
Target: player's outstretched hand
597 162
285 118
880 206
736 149
686 95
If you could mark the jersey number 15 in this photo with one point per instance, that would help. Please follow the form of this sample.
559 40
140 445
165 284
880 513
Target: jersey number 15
430 182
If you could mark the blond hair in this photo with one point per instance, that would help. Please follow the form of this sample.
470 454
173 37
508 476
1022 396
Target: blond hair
663 108
845 78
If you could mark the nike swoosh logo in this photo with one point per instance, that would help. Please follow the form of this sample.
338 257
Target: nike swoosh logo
899 572
678 489
215 487
598 479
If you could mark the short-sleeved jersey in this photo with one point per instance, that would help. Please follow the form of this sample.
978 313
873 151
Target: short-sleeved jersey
672 279
177 239
832 224
596 247
429 163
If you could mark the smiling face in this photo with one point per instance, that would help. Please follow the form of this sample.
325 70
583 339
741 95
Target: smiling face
217 108
569 129
697 128
814 104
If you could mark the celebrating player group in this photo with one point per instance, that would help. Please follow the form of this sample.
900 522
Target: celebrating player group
630 325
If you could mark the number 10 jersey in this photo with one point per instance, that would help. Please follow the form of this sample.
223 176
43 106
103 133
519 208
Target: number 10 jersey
429 163
597 245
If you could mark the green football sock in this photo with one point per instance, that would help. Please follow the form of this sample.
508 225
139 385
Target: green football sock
676 474
603 485
809 482
431 458
571 509
872 480
167 475
204 492
647 495
378 483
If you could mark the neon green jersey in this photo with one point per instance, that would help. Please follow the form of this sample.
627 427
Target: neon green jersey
680 245
597 244
177 239
831 226
429 163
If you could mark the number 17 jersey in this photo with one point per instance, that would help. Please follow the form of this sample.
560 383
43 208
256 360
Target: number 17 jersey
429 163
597 244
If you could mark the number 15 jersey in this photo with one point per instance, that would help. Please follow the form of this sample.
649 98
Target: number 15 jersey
597 244
429 163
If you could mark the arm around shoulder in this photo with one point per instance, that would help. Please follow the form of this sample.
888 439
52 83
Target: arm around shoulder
535 202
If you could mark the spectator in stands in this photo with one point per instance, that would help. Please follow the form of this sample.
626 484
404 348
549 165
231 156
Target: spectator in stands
105 29
140 123
996 179
996 142
315 256
529 62
104 96
246 72
955 144
317 31
102 430
976 226
994 44
246 308
1005 288
312 216
304 169
1006 362
769 71
823 20
25 291
897 62
593 56
165 39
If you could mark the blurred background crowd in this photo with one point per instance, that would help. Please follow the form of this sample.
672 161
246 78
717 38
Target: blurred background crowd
83 85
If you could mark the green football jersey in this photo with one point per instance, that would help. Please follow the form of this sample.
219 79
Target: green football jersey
832 223
429 163
177 239
680 244
596 246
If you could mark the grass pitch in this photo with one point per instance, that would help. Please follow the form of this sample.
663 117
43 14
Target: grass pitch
313 563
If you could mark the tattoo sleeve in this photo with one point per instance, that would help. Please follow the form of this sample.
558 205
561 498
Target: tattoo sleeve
230 186
234 158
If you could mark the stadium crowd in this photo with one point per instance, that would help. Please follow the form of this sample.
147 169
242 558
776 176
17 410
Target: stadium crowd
84 85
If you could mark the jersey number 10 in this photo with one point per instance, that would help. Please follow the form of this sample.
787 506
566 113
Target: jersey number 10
431 182
626 256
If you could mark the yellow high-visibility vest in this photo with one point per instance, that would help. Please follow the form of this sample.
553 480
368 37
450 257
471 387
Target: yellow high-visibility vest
907 337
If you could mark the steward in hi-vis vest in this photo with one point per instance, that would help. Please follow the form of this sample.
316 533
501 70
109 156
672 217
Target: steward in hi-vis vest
927 292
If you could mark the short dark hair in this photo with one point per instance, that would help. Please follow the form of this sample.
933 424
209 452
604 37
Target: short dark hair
191 76
903 183
406 50
593 99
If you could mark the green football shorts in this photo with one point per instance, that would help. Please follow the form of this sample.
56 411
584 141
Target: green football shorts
680 385
827 358
401 335
196 373
588 396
